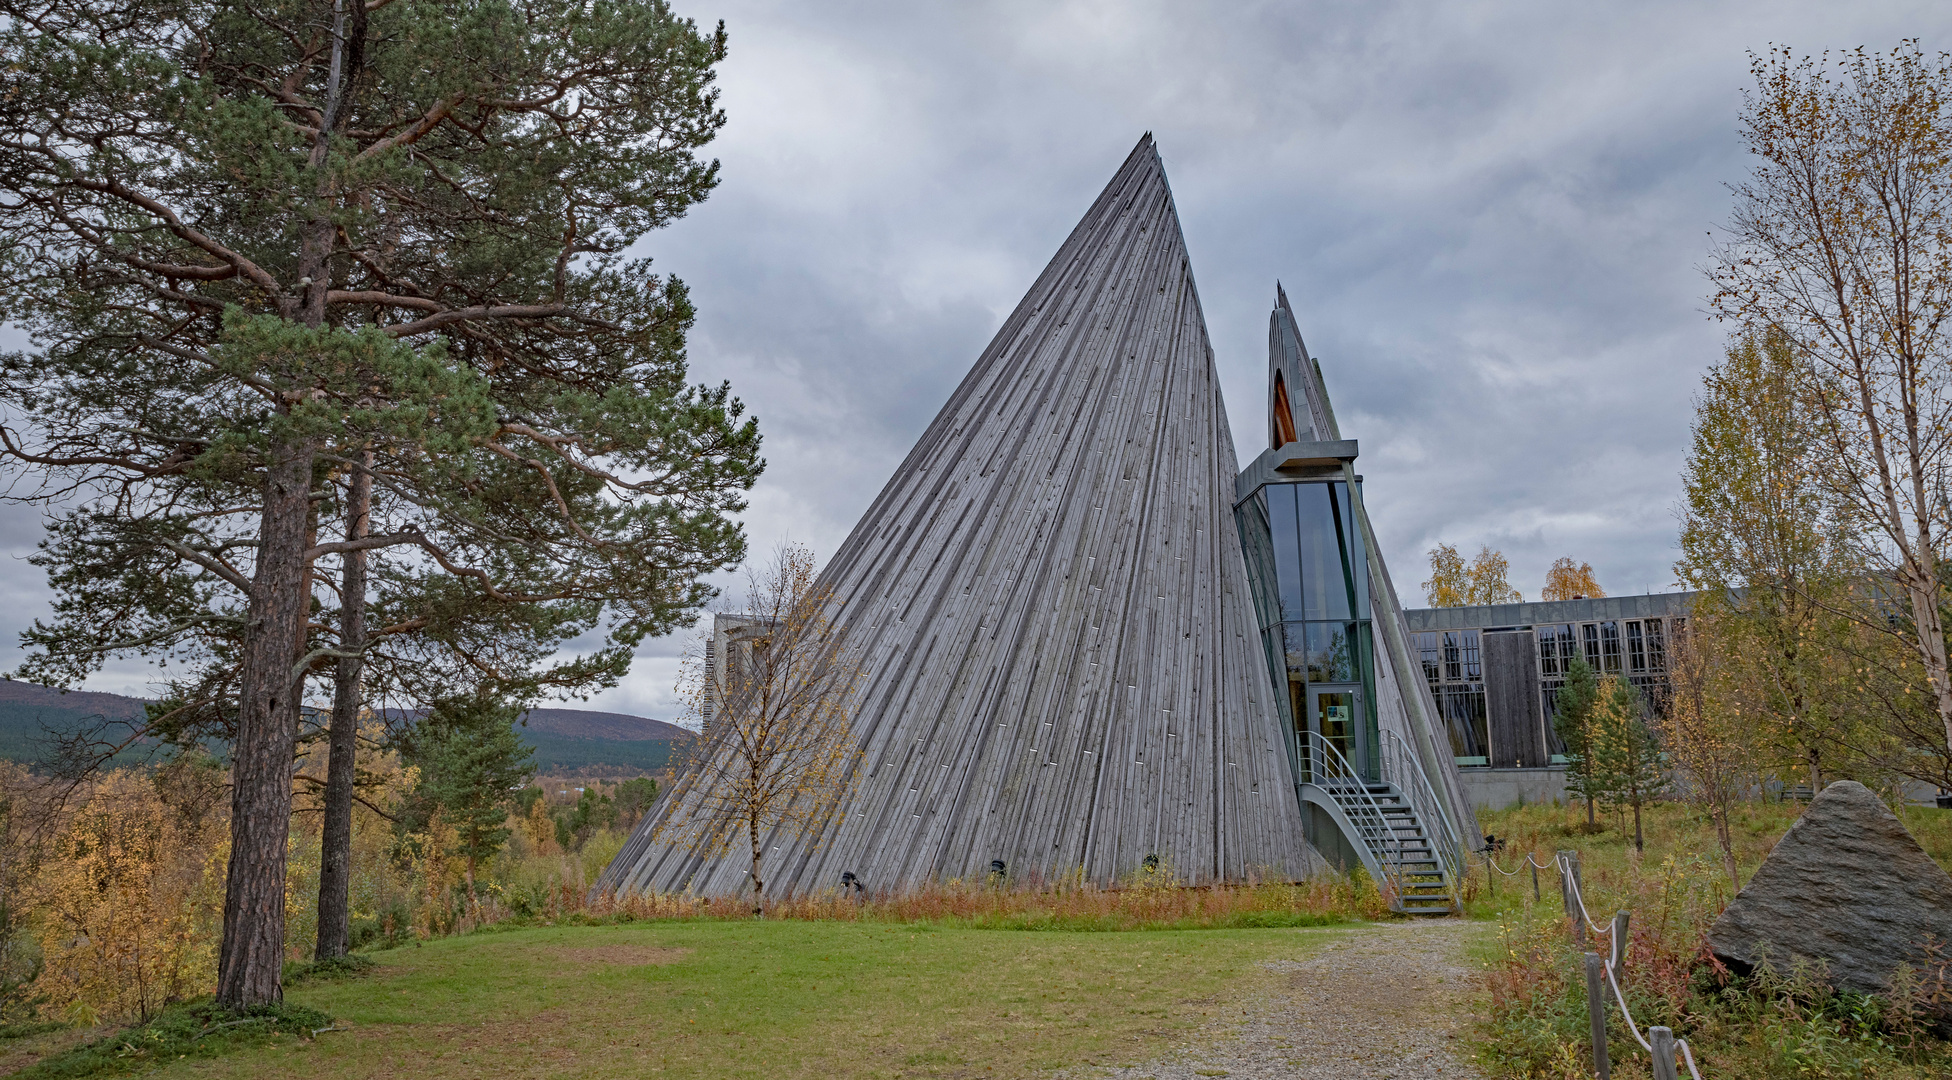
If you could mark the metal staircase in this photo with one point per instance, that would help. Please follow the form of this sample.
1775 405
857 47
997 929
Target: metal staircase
1394 822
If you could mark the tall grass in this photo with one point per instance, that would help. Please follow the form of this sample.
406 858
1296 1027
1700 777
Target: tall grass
1784 1021
1079 906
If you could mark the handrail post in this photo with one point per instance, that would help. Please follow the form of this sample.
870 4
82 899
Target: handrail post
1596 1014
1534 864
1661 1042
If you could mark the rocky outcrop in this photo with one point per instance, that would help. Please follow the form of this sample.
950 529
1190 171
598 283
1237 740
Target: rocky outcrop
1847 886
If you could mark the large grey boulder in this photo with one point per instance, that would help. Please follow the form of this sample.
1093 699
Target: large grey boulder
1846 885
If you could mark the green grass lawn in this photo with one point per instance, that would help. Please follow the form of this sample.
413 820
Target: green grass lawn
767 999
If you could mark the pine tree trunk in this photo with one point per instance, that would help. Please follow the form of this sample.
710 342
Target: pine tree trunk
1639 843
335 859
267 731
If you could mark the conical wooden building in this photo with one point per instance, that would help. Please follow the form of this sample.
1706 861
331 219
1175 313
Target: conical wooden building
1063 670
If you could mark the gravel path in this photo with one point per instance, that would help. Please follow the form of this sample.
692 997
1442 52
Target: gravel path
1385 1002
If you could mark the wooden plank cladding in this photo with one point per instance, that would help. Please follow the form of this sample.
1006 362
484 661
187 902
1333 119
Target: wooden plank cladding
1511 691
1049 602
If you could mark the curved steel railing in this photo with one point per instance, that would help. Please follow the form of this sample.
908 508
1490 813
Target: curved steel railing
1401 768
1330 771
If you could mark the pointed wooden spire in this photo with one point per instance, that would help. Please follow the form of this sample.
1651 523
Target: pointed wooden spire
1062 668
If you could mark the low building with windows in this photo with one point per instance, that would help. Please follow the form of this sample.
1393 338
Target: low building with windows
1495 672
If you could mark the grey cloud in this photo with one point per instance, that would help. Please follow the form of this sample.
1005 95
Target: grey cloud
1490 217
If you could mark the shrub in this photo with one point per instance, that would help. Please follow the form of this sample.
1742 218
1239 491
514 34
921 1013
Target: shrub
199 1029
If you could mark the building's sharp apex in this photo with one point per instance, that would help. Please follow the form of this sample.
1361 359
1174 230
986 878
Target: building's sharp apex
1050 610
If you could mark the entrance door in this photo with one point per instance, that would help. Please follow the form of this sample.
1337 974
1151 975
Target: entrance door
1332 713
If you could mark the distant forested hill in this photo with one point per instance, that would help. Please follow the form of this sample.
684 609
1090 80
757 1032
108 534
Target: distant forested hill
563 738
577 738
27 712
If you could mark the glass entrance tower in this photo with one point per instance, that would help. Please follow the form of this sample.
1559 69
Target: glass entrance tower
1312 598
1373 777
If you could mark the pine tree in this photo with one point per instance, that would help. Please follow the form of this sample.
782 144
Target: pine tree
473 766
1572 720
1627 768
269 252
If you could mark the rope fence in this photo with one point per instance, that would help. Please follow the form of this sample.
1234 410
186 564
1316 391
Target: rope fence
1602 971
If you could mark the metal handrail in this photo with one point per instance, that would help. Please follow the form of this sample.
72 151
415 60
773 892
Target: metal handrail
1351 792
1401 767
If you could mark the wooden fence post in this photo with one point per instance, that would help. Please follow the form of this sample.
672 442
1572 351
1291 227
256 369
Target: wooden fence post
1596 1013
1569 893
1534 864
1662 1041
1619 943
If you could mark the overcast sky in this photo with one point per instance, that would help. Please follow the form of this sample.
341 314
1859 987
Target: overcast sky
1490 219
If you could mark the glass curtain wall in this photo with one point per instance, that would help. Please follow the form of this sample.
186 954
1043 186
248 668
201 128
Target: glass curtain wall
1454 669
1633 649
1312 596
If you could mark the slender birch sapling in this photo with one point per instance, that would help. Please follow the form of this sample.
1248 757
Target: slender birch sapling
776 758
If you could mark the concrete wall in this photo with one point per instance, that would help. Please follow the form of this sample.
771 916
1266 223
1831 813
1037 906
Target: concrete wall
1496 789
1513 616
1326 835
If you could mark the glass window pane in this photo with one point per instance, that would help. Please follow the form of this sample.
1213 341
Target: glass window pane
1295 641
1590 637
1472 670
1656 646
1355 557
1555 650
1636 649
1464 720
1331 653
1426 646
1610 646
1549 694
1335 718
1453 660
1325 589
1287 547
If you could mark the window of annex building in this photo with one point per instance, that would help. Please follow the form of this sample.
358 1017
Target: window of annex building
1454 669
1631 649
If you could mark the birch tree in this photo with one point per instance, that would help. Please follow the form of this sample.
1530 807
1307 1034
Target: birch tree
1841 244
1766 543
776 755
1568 580
1485 580
1712 746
